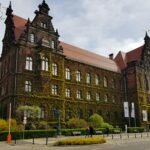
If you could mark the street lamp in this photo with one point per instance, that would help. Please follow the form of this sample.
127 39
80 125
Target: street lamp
57 116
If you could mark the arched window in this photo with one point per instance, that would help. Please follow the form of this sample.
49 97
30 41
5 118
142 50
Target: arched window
97 97
68 74
28 86
28 63
32 38
96 79
105 82
78 76
44 66
88 78
106 98
54 69
88 95
52 44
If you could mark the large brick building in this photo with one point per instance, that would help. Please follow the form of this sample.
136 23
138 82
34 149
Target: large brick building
37 69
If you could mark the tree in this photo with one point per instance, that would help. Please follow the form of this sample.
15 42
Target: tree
32 113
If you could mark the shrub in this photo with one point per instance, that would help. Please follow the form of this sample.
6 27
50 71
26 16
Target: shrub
80 141
43 125
96 121
77 123
135 129
106 125
13 124
3 125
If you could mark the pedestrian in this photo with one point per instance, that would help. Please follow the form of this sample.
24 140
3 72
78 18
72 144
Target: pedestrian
87 132
91 131
107 131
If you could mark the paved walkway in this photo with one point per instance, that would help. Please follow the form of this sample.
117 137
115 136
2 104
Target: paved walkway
113 141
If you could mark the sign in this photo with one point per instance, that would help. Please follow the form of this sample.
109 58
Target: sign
126 109
144 113
132 110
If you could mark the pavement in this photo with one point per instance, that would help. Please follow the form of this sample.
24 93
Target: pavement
114 142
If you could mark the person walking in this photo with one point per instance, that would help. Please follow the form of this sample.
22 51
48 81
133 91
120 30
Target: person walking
91 131
87 132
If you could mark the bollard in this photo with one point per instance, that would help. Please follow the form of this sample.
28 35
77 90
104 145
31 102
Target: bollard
15 141
135 135
112 136
147 134
120 136
46 140
141 135
33 141
128 135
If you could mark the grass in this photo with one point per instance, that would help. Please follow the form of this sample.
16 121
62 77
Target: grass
80 141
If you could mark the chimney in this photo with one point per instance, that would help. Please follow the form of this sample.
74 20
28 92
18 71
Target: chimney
111 56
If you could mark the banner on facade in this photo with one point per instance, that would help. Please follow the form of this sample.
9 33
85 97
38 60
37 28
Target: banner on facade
132 110
126 109
144 113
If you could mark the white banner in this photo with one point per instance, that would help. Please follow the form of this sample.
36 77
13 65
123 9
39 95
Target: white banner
132 110
144 113
126 109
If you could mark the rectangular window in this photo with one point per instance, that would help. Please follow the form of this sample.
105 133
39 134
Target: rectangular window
68 92
78 94
54 69
78 76
28 86
55 89
88 96
97 97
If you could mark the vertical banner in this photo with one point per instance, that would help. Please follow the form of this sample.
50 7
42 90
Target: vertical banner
144 113
132 110
126 109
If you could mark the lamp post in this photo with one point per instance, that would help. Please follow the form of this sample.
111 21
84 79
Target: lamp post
57 116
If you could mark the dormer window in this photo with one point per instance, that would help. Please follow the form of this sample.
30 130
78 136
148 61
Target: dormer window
32 38
43 25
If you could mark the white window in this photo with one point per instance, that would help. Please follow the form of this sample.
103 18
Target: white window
41 113
106 98
53 44
88 95
78 76
55 89
105 82
78 94
96 79
28 86
68 74
28 63
88 78
54 69
113 83
68 92
113 99
97 97
44 64
32 38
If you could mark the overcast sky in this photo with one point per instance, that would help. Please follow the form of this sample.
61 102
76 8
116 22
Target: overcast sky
101 26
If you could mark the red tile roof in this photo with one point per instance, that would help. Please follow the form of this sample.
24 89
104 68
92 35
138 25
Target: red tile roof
87 57
19 24
123 58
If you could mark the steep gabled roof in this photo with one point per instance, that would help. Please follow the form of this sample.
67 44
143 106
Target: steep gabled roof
123 58
19 24
87 57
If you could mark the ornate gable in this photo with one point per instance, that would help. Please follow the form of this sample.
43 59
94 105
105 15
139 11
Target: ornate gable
145 59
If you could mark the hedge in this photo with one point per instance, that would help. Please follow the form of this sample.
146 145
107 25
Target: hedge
29 134
48 133
135 129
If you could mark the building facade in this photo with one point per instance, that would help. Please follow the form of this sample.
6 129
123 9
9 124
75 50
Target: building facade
38 69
